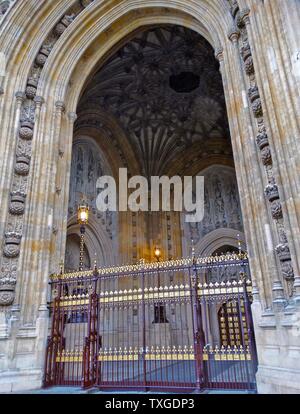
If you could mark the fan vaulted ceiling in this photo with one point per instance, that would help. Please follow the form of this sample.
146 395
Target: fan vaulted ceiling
165 90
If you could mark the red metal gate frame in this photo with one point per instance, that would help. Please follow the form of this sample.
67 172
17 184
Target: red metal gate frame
91 364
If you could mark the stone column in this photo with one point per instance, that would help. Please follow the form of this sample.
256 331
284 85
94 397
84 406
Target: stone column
250 179
65 127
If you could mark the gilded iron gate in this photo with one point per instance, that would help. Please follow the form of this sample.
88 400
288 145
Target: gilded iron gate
156 325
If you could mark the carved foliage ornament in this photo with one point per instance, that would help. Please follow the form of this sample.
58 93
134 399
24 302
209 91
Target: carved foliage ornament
266 156
271 190
17 204
276 210
12 239
12 244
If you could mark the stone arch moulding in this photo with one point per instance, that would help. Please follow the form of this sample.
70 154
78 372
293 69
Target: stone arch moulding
109 136
97 241
33 114
65 69
218 238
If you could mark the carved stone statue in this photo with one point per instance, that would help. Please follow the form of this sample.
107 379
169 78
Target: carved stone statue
221 204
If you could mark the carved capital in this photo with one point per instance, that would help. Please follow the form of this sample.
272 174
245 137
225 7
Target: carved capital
20 96
72 117
244 15
219 53
60 106
233 34
39 100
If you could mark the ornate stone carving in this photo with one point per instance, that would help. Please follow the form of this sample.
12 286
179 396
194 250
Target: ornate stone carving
12 244
43 55
233 33
247 58
26 130
20 97
60 106
253 93
245 51
266 156
283 252
63 24
262 140
7 287
287 270
28 112
271 192
38 100
249 67
31 88
255 100
221 205
257 108
17 205
276 210
27 118
22 165
23 156
244 17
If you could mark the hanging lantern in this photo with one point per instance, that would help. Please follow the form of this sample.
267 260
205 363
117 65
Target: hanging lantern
83 214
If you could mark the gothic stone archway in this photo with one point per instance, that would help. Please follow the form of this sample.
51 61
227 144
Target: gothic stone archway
62 66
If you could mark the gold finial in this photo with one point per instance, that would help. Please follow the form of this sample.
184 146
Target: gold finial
95 261
61 266
239 244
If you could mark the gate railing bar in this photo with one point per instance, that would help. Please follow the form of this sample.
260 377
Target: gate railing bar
180 264
144 332
167 293
83 297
